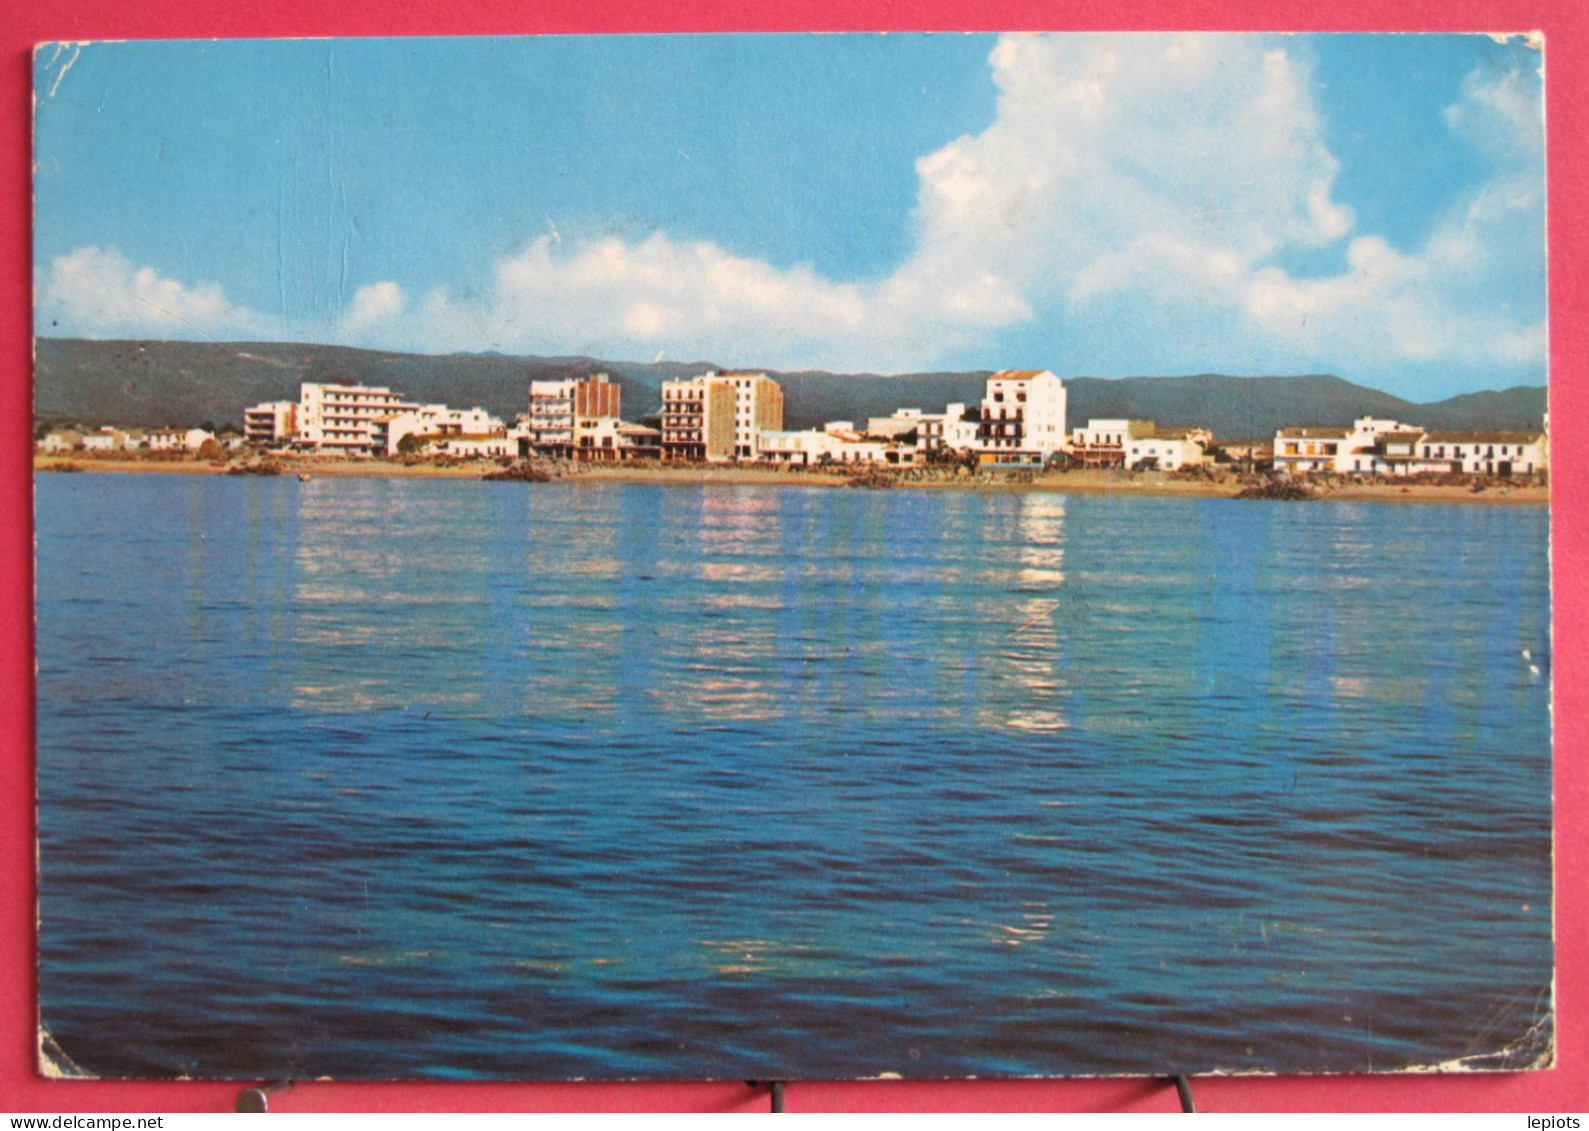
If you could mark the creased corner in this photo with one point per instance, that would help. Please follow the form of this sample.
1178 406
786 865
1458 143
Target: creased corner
71 61
54 1064
1532 40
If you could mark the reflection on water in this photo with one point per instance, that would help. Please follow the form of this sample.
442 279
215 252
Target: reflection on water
373 778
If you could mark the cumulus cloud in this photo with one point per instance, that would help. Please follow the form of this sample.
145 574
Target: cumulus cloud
99 293
1114 166
1151 188
1116 159
690 298
1453 297
1153 181
372 306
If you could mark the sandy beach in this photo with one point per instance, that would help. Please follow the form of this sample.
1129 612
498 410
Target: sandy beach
1092 482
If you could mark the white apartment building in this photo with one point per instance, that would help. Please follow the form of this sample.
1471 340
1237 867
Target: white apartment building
597 438
550 421
273 422
359 420
719 417
697 420
1393 452
563 413
1022 417
345 419
802 449
959 428
758 407
901 422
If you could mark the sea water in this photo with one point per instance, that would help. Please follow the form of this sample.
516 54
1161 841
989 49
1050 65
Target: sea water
439 778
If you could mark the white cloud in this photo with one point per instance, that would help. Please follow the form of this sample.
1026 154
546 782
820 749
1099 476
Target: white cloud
372 307
1141 187
692 298
1450 299
1119 164
1115 166
1146 180
98 293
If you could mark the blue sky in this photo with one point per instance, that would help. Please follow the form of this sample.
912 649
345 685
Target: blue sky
1370 206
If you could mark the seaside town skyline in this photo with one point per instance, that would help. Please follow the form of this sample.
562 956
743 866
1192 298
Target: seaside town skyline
737 417
484 663
1364 205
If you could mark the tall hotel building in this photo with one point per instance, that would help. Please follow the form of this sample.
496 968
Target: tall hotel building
560 411
719 417
271 423
356 420
1023 417
343 419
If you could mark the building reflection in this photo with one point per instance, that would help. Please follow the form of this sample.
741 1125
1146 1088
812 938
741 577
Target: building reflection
1031 662
734 607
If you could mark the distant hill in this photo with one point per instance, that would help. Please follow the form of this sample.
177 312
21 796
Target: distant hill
150 384
1255 407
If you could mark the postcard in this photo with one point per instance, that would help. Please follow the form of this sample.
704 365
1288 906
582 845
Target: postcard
792 557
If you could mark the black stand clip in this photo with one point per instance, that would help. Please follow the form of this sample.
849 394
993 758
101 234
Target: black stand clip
257 1100
775 1087
1183 1089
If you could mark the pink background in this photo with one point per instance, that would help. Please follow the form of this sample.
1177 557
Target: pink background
1566 27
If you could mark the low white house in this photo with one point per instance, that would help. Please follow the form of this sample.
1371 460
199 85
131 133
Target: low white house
1118 442
1304 451
953 428
1388 447
60 440
1361 449
433 422
1102 443
597 438
1485 453
1168 449
105 440
837 442
802 449
491 446
178 439
637 441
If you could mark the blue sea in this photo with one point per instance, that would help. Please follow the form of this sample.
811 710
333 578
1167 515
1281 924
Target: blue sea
379 778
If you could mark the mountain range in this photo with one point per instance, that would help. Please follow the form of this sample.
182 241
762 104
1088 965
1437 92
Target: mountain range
154 384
